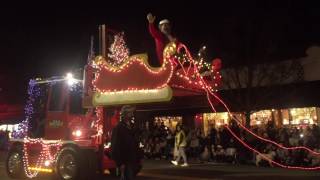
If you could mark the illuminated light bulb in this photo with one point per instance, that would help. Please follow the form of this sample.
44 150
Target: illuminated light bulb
47 163
77 133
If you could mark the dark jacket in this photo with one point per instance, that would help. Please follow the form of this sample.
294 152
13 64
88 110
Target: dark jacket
124 147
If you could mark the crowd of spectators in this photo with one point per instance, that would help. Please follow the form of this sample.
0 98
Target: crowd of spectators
218 145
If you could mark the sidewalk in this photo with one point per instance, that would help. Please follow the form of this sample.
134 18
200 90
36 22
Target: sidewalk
151 163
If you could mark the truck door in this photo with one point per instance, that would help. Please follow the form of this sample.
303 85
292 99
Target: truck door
57 112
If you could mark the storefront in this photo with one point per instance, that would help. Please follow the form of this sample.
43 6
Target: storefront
287 117
283 117
215 120
169 121
301 116
261 117
10 116
8 128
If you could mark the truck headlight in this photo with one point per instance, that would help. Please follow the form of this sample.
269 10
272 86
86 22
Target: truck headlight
77 133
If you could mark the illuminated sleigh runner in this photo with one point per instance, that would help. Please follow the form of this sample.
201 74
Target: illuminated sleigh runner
135 81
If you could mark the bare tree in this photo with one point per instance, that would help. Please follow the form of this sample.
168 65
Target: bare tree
250 87
250 46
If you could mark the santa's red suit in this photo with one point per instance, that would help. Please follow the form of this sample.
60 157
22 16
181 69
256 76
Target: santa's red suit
160 41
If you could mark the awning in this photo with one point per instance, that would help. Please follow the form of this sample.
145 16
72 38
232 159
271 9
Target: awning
305 94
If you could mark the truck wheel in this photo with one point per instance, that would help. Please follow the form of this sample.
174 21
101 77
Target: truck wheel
74 163
69 165
14 163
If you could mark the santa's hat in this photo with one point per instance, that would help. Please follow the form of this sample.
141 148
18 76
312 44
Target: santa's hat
164 21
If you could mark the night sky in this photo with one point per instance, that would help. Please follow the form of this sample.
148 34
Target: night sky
41 40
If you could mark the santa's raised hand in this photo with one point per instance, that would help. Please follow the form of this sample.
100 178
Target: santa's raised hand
151 18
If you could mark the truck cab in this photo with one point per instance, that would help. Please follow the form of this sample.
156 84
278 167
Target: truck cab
59 125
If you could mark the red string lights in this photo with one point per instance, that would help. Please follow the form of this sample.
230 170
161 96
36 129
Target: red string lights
209 92
45 158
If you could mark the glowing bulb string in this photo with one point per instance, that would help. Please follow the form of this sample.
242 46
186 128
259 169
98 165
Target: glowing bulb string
208 97
242 142
44 154
258 152
261 138
261 154
265 157
182 67
25 159
238 121
189 67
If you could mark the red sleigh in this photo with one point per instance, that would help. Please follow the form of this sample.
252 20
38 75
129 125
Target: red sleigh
135 81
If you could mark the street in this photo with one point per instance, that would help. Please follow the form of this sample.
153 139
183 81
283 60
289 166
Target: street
161 170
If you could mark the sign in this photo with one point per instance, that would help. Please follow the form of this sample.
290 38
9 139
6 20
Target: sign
55 123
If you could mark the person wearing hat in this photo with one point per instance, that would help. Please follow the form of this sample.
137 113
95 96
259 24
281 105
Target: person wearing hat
124 148
161 37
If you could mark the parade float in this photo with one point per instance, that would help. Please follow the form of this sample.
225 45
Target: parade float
66 131
74 141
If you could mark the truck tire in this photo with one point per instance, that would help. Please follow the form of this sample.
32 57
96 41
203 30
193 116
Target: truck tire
74 163
14 163
69 164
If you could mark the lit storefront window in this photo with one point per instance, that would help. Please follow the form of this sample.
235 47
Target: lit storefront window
303 116
169 121
9 127
285 121
261 117
214 120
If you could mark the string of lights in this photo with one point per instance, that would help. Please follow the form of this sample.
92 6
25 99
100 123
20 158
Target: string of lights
45 158
238 138
33 94
189 74
159 77
119 51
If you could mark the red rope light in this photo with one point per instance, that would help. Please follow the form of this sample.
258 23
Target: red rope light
205 88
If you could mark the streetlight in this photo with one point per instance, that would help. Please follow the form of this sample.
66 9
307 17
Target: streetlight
70 79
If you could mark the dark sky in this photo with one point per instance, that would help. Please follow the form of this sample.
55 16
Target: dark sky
41 40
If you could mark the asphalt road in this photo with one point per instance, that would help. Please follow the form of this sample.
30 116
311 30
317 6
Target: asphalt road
163 170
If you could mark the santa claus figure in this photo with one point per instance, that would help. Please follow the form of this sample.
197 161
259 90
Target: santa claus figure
162 36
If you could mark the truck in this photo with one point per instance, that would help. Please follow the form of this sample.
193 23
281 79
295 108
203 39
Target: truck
68 124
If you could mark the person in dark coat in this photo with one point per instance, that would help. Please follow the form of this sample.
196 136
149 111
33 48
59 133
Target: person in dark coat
124 146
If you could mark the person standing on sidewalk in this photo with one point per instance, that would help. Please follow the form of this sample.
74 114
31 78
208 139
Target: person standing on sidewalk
123 144
180 144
